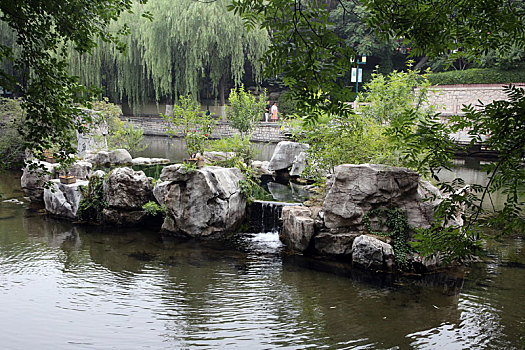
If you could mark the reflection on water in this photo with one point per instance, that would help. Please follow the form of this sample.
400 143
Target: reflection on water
65 286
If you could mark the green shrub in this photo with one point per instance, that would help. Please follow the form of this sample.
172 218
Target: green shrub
153 209
195 126
478 76
245 110
93 203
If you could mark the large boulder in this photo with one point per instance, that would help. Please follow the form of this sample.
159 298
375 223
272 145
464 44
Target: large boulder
63 200
286 154
298 227
353 190
216 156
261 167
120 157
127 190
204 203
34 176
371 253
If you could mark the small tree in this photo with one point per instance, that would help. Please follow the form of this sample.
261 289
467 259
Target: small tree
196 127
245 110
390 97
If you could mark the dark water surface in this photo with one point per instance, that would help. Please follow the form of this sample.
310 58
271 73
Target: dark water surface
64 286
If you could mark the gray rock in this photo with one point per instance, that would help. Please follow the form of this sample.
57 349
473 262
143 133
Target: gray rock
33 181
205 203
353 190
120 157
298 227
426 264
371 253
126 189
99 158
327 243
299 164
98 173
63 200
285 155
94 138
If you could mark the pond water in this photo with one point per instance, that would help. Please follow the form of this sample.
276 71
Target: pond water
66 286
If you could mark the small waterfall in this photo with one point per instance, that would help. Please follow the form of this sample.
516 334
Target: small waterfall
265 216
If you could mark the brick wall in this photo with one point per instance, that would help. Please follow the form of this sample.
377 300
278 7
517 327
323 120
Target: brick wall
265 132
451 98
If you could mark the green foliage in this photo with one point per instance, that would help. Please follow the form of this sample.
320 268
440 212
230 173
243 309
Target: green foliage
43 32
153 209
121 134
195 126
287 104
245 110
478 76
450 243
412 127
93 203
388 97
12 145
464 29
250 187
395 220
241 146
338 140
306 52
500 125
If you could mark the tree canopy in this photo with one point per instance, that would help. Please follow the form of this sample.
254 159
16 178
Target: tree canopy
464 28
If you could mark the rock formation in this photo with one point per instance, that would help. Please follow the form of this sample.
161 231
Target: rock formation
204 203
339 227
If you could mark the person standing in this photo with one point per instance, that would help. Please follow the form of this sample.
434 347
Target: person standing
267 111
275 113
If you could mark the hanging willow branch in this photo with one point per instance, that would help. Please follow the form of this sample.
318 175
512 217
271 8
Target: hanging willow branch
186 44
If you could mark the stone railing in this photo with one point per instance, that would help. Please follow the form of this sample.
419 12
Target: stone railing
264 132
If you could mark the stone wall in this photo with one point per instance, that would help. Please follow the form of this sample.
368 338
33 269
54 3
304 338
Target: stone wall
265 132
451 98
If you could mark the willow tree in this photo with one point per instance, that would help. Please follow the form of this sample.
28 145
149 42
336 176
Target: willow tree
186 46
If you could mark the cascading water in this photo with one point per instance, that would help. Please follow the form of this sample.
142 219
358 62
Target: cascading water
265 216
264 226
